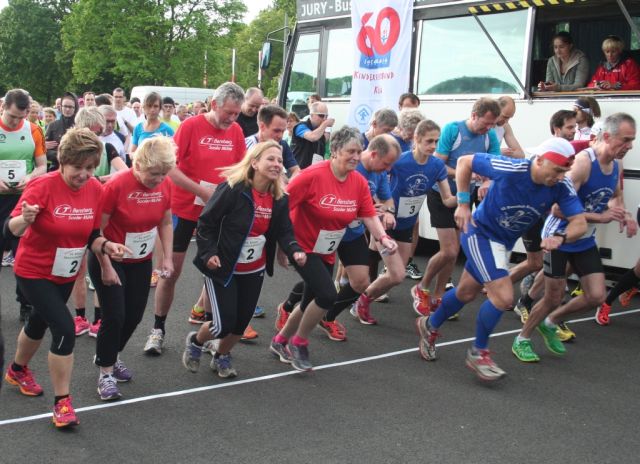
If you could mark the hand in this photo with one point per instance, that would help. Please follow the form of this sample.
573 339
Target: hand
556 211
388 221
206 191
631 226
51 144
281 256
116 251
483 189
462 216
29 212
506 151
4 187
300 257
606 85
613 214
541 86
110 276
21 185
166 268
551 86
213 263
329 122
551 243
389 244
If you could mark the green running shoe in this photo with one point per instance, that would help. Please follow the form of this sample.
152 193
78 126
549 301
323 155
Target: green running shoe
523 350
551 340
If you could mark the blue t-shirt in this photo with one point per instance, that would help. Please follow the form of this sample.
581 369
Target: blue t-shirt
514 202
139 134
288 160
379 188
410 182
404 145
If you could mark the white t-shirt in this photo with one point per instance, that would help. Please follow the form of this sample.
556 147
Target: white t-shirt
114 140
128 115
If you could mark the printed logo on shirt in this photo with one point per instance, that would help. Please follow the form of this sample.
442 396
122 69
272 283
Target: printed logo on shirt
263 213
214 143
517 218
143 198
596 198
416 185
73 214
337 205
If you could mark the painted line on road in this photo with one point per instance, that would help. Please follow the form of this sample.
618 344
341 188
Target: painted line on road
275 376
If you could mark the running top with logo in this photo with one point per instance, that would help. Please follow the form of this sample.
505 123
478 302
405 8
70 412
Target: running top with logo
135 213
18 149
457 140
202 149
379 188
594 194
253 256
321 207
410 182
53 246
514 202
288 160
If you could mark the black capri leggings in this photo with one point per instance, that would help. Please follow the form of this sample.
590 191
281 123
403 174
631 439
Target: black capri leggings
50 310
318 283
232 307
122 306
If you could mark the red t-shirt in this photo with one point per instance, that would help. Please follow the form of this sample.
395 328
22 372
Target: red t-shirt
53 246
202 149
135 213
321 207
253 256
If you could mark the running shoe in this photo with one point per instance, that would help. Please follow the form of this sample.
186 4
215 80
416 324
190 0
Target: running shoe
577 291
154 342
482 364
523 350
249 334
222 365
25 312
300 357
334 330
121 372
24 380
211 346
192 354
412 271
94 328
197 315
527 283
63 413
8 260
384 298
427 340
362 310
626 297
564 333
259 312
421 300
521 310
280 350
108 388
82 325
602 314
281 317
551 340
449 284
155 277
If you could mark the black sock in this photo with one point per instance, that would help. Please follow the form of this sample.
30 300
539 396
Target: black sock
80 312
194 340
208 316
16 367
97 314
294 297
159 322
58 398
626 282
216 355
526 300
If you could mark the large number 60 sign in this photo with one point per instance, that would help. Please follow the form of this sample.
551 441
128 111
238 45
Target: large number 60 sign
377 47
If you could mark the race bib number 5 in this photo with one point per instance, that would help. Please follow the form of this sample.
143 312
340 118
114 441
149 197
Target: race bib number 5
410 206
252 249
328 241
140 243
13 171
67 261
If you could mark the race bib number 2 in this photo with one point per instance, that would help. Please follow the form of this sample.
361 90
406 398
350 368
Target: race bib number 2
140 243
67 261
328 241
252 249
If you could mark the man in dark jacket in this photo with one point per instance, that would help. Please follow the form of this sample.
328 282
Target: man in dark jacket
55 131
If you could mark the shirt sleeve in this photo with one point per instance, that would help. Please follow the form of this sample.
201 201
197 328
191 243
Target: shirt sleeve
298 188
494 143
441 169
365 202
568 199
447 138
495 167
38 138
301 129
384 190
109 196
288 160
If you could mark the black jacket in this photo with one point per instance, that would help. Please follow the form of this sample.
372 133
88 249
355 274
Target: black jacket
225 223
57 129
303 149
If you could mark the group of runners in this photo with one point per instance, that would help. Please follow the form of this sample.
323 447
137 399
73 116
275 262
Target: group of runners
360 205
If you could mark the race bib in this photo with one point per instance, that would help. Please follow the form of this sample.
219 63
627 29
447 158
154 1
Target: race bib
140 243
67 261
316 158
410 206
328 241
13 171
198 201
252 249
500 255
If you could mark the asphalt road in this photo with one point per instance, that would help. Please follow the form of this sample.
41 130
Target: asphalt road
370 399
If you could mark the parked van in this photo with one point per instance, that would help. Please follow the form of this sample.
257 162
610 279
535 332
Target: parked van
181 95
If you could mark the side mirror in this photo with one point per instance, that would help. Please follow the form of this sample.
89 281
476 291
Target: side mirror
266 55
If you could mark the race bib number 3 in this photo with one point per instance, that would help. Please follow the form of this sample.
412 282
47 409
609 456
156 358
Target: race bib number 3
67 261
13 171
198 201
328 241
140 243
410 206
252 249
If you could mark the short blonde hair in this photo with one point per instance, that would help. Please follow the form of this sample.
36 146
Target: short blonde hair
244 172
155 152
89 116
613 42
78 146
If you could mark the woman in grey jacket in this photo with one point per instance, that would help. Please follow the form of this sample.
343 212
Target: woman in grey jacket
568 68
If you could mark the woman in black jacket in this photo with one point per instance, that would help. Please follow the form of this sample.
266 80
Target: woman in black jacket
236 237
59 127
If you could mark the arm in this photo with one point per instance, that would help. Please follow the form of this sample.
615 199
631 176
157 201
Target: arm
632 76
18 224
165 233
580 78
373 224
209 222
463 183
445 193
515 150
181 180
317 133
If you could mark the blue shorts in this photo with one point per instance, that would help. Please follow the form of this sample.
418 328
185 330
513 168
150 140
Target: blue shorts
487 260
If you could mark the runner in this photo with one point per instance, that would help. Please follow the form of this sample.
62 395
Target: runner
521 191
236 236
57 218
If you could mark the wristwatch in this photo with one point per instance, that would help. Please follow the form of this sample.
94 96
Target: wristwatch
561 234
391 210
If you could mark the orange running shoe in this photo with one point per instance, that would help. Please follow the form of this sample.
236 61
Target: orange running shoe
281 317
63 413
24 380
249 334
626 297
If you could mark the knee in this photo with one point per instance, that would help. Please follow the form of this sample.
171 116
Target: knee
595 296
534 262
464 295
396 273
502 301
326 299
359 283
450 251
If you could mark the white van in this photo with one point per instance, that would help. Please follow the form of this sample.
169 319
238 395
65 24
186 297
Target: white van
181 95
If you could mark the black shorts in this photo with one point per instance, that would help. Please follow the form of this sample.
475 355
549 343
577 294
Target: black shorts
355 252
441 217
182 234
532 238
402 235
583 263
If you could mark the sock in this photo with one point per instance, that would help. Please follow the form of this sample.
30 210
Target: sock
58 398
520 338
16 367
488 318
450 305
526 301
216 355
374 259
626 282
159 322
194 340
208 317
97 314
549 324
280 339
299 341
346 297
80 312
